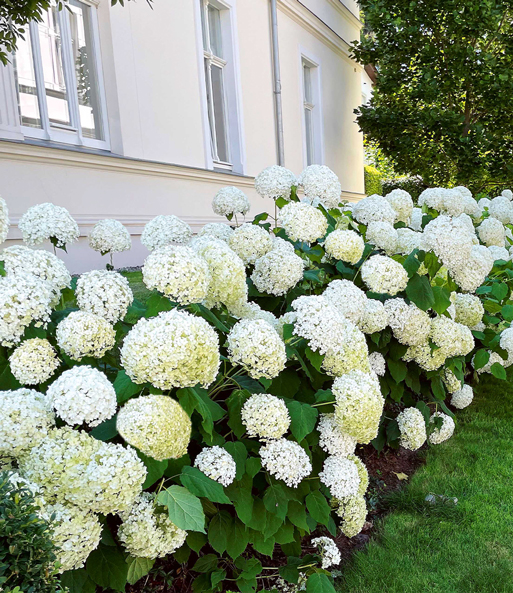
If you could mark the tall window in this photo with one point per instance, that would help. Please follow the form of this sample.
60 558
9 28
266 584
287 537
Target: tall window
57 75
311 113
215 81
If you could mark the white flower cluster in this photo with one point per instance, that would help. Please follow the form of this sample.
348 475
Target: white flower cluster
450 240
82 395
33 362
425 357
110 236
374 318
217 230
401 202
344 245
146 530
499 253
37 262
174 349
494 358
382 235
451 382
412 427
410 325
24 299
340 475
217 464
453 338
157 425
105 294
329 552
76 468
230 200
321 186
407 241
4 220
250 241
257 346
277 272
506 340
471 275
359 405
453 201
384 275
286 460
303 222
85 334
439 435
253 311
347 298
332 439
469 310
178 272
502 209
275 182
463 397
353 512
265 416
377 363
47 221
164 230
416 219
492 232
374 209
26 420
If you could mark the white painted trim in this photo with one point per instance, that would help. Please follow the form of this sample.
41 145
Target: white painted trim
346 12
9 117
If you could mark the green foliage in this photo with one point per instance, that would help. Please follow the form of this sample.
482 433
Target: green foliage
372 179
412 184
441 107
27 558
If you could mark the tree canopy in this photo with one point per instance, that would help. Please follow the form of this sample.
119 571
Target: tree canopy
443 100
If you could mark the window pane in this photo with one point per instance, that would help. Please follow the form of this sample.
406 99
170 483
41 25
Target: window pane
28 103
214 28
51 56
307 82
309 137
85 69
210 106
219 113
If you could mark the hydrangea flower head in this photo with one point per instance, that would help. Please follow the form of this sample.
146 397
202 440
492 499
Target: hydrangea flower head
265 416
320 185
412 427
384 275
164 230
83 334
230 201
286 460
45 222
110 236
250 242
275 182
105 294
33 362
303 222
216 463
347 246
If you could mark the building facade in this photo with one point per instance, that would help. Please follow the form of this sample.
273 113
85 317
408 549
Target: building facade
129 112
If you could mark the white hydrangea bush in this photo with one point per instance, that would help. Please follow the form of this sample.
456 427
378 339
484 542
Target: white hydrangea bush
244 392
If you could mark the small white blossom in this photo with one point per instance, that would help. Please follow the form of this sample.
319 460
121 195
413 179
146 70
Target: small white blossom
109 236
103 293
230 201
499 253
377 363
329 552
48 222
416 219
472 273
468 309
353 512
265 416
463 397
340 475
164 230
286 460
451 382
217 464
33 362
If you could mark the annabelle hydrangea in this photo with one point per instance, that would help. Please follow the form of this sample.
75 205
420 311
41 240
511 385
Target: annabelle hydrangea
374 208
401 202
104 293
407 241
320 185
286 460
412 427
471 274
275 182
383 236
450 240
425 357
349 352
277 272
178 272
374 318
416 219
353 512
451 382
110 236
377 363
499 253
453 338
174 349
33 362
256 345
502 209
302 222
469 310
347 298
24 299
82 395
332 439
217 230
216 463
146 531
250 242
491 232
253 311
359 405
445 432
26 420
329 551
340 475
410 325
265 416
463 397
157 425
4 220
384 275
230 201
506 340
164 230
83 334
45 222
345 245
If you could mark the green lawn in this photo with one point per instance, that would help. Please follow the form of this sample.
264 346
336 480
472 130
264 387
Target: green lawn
467 548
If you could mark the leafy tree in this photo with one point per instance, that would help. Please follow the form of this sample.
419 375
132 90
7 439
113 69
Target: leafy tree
442 106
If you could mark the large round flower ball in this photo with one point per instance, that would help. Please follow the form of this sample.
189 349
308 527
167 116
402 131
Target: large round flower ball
444 432
82 395
26 420
332 439
257 346
157 425
174 349
83 334
492 232
374 318
4 220
374 208
383 236
410 325
463 397
164 230
286 460
45 222
33 362
104 293
230 201
401 202
250 242
275 182
217 230
110 236
468 308
265 416
384 275
320 185
347 298
178 272
340 475
216 463
277 272
353 512
302 222
347 246
412 427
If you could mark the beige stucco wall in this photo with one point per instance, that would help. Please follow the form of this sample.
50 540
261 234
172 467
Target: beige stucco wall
152 77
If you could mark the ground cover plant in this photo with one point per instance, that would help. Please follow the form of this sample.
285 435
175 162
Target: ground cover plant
216 420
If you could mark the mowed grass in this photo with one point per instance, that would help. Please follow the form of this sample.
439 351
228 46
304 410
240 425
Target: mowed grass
445 548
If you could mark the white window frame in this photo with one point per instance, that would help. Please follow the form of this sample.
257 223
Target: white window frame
71 134
231 83
315 107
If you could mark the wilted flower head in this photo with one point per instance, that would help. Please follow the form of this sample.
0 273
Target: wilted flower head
217 464
110 236
250 241
230 201
164 230
286 460
344 245
45 222
275 182
303 222
85 334
320 185
265 416
33 362
106 294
